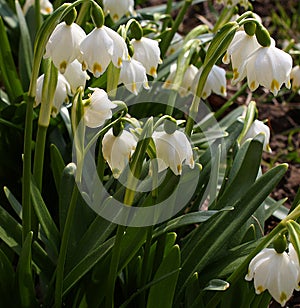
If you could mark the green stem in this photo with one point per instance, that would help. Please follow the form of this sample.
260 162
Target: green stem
192 115
26 198
171 102
113 269
84 11
39 156
63 250
113 74
166 42
230 101
37 14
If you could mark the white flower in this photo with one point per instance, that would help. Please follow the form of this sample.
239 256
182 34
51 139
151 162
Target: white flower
172 150
241 46
216 82
76 76
258 127
133 75
97 50
60 96
147 52
187 81
176 44
117 8
45 5
63 45
100 47
275 272
269 67
295 76
118 150
230 3
98 109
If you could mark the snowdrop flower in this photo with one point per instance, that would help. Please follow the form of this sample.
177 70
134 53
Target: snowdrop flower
63 45
295 76
100 47
147 52
269 67
45 5
241 46
133 76
216 82
187 81
117 8
275 272
172 150
176 44
117 150
97 109
256 128
60 96
76 76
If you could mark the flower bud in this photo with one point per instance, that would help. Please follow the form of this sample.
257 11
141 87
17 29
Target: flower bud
280 243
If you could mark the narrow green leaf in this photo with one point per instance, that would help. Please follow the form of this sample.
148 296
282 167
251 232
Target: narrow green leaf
25 48
46 221
10 77
7 277
192 291
26 286
294 235
57 165
13 202
162 293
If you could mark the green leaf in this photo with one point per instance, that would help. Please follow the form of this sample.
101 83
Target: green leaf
294 235
8 69
193 291
212 238
7 277
8 15
87 263
217 285
13 202
46 221
24 275
162 293
57 165
25 48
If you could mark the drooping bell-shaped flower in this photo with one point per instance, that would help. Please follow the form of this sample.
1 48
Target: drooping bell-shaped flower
117 150
133 76
295 77
97 50
45 5
187 80
269 67
215 82
172 150
60 96
176 44
258 127
275 272
241 46
97 109
147 52
117 9
63 45
76 76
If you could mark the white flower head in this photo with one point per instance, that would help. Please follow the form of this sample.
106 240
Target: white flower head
172 150
117 8
275 272
241 46
187 80
63 45
97 50
295 76
98 110
147 52
269 67
176 44
60 96
45 5
258 127
216 82
117 150
76 76
133 76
